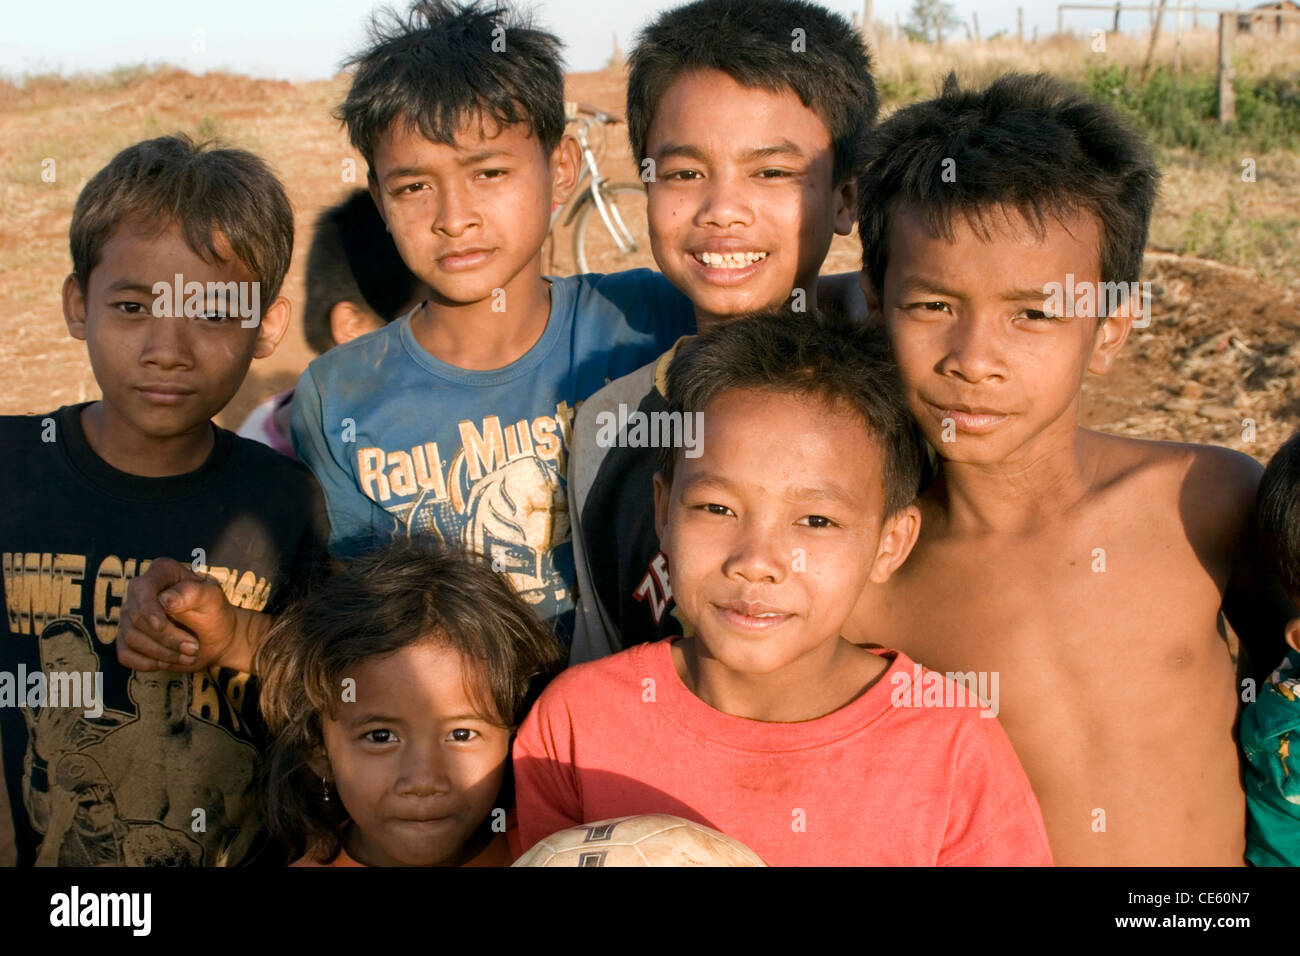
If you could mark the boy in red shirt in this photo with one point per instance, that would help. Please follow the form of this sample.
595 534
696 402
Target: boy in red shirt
764 722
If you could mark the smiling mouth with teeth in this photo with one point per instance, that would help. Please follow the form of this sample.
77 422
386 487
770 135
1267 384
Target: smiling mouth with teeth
729 260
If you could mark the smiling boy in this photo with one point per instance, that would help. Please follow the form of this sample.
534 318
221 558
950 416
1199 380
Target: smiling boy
96 490
1089 571
753 138
766 724
456 420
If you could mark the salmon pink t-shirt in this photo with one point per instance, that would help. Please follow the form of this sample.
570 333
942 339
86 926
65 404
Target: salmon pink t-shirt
880 782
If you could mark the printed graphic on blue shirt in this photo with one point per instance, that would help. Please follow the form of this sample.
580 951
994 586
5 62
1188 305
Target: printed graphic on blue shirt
404 443
501 494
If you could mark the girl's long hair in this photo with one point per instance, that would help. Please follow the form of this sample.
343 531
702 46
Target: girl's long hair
404 594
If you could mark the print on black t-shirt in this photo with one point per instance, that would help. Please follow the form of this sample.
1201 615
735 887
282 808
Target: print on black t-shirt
147 768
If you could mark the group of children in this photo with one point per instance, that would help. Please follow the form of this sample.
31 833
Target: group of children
888 506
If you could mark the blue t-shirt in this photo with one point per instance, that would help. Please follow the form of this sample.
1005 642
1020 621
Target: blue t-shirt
404 443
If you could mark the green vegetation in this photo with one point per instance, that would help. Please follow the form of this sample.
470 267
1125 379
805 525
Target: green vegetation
1181 111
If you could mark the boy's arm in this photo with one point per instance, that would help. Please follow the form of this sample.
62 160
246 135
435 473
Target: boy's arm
993 819
1226 483
547 798
353 518
174 619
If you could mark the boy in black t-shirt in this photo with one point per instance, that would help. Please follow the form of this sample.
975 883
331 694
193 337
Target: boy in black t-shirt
179 251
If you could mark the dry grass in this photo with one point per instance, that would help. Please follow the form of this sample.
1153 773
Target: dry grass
917 69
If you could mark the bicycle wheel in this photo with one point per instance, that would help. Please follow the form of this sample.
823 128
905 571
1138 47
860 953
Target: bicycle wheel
595 248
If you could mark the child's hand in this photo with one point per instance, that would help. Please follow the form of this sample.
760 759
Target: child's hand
174 619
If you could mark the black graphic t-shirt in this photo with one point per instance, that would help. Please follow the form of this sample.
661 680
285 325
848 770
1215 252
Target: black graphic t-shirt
103 765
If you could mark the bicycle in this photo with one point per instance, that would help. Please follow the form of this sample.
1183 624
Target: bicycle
623 240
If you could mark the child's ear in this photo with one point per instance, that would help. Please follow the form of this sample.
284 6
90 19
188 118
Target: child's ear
896 541
275 322
1293 633
846 206
566 167
74 307
870 294
1109 339
349 321
319 763
663 492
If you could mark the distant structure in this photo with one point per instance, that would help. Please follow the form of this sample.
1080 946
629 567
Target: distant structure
1280 18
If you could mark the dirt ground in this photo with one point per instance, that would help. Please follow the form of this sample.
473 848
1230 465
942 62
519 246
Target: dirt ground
1217 363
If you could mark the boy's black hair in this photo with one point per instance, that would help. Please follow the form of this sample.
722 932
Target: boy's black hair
446 63
353 259
755 43
1278 515
1028 142
826 356
204 189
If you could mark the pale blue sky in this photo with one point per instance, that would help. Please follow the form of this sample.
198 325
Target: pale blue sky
307 39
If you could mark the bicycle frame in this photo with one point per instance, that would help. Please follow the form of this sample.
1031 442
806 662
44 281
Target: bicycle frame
594 180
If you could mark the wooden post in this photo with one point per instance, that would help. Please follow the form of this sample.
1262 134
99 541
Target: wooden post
1115 28
869 24
1227 97
1060 19
1178 41
975 23
1020 25
1155 38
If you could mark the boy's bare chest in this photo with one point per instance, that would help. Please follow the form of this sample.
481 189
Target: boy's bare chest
1092 599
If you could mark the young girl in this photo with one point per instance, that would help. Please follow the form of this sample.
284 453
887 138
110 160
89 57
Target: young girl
392 692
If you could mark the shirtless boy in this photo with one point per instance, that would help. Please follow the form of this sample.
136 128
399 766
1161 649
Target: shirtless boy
1090 572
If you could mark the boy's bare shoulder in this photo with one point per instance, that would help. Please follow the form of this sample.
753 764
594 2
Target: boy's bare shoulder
1213 487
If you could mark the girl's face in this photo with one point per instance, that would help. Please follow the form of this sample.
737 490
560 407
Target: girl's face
416 767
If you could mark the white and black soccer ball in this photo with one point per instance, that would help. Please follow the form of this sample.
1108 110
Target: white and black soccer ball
654 839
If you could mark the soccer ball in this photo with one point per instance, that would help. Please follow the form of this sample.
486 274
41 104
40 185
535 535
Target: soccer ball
653 839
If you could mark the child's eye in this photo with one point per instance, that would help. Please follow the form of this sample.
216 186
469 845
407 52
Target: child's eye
714 509
410 188
931 306
381 736
1038 315
775 173
683 174
463 735
132 308
817 521
491 173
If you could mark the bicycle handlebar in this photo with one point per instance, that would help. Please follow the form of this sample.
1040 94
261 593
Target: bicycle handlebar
573 110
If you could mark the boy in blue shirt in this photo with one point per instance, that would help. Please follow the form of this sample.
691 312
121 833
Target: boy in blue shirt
1270 726
455 420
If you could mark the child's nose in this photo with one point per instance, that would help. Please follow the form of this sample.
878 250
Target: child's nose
756 555
167 342
724 203
424 772
455 210
973 350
